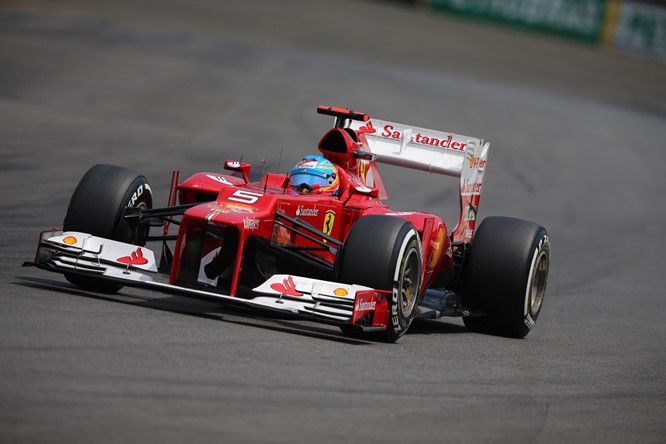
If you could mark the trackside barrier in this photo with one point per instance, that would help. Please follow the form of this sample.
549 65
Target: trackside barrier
623 24
641 27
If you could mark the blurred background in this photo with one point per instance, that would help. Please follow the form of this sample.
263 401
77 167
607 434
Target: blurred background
571 95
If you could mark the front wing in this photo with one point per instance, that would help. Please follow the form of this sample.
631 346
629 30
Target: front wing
329 302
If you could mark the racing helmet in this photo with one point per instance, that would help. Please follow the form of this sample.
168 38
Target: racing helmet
315 172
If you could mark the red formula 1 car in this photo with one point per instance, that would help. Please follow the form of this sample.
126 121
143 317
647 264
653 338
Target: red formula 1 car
317 243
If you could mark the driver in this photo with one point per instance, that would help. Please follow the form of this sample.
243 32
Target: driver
315 174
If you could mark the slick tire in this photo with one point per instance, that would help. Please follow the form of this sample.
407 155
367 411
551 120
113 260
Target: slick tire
96 207
384 253
505 276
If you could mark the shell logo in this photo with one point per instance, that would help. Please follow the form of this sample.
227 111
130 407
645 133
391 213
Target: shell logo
340 292
69 240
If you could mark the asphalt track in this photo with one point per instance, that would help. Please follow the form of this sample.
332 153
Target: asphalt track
577 145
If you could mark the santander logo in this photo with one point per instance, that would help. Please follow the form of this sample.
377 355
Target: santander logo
136 258
366 305
368 128
389 132
287 287
302 211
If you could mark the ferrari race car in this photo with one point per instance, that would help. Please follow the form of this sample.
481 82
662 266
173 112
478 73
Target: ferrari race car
317 243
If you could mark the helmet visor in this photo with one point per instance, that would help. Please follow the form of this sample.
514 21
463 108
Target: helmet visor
308 179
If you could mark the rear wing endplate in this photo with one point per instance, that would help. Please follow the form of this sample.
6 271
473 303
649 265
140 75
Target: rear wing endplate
436 152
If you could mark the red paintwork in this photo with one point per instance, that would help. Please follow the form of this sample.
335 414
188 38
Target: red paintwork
372 301
250 207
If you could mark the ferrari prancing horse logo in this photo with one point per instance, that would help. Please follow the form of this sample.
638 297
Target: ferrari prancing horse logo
329 220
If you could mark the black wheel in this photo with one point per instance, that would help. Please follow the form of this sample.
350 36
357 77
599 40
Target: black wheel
505 276
96 207
384 253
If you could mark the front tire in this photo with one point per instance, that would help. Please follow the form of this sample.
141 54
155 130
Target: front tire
505 276
96 207
384 253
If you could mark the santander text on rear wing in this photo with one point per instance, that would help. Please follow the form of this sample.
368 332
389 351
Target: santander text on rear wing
436 152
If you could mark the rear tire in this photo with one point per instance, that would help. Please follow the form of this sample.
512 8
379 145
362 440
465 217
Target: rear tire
505 276
384 253
96 207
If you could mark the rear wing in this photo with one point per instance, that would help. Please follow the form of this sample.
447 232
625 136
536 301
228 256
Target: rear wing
436 152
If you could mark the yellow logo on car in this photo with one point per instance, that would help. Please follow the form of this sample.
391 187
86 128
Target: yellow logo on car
329 220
